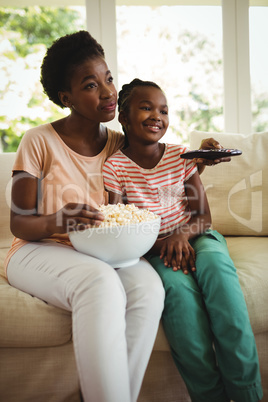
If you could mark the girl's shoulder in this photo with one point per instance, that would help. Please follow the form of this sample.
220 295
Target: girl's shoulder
179 148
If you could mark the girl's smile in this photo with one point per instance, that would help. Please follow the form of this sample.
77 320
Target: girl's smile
154 128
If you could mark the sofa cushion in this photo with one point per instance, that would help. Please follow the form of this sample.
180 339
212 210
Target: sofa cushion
250 258
238 191
37 323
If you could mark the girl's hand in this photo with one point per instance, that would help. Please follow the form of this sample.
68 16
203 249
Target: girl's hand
209 143
75 217
178 253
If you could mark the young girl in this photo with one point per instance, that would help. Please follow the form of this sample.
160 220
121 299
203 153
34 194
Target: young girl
205 316
57 183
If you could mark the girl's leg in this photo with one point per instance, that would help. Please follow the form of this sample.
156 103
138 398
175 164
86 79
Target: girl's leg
94 293
234 341
187 327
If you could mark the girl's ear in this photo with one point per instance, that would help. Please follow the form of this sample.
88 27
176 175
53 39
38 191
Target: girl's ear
122 118
64 98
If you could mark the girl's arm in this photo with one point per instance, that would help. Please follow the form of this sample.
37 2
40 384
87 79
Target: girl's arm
115 198
200 212
27 224
176 249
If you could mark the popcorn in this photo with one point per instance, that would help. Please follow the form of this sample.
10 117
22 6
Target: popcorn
120 214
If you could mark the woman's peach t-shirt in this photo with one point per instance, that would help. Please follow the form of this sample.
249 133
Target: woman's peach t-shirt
64 175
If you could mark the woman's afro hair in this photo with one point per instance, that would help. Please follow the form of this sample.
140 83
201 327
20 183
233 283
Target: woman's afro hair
62 57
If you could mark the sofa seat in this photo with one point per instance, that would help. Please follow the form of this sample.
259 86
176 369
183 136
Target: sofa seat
250 257
46 325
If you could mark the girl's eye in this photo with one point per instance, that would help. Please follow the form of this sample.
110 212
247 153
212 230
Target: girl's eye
164 112
91 85
145 108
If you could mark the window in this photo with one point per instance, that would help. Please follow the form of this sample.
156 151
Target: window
208 58
172 46
25 34
258 29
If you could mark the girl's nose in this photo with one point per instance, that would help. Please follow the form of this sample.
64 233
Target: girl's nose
156 117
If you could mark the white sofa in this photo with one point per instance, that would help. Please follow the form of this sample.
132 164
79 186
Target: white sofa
36 353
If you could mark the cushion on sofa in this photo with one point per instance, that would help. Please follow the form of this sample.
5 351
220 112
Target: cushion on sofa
238 190
249 255
38 323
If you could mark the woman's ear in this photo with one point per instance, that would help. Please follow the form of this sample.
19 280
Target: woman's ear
64 98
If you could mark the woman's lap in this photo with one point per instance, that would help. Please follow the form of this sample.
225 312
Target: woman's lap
118 307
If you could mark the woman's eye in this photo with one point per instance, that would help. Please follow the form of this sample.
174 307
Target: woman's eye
110 79
91 85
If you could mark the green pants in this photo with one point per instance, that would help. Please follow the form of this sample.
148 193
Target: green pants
207 325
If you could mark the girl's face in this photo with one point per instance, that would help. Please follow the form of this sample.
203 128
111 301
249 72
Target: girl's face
92 95
147 118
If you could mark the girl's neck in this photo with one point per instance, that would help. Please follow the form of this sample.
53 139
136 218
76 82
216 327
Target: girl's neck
146 156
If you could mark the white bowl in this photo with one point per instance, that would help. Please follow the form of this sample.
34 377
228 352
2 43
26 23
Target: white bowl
119 246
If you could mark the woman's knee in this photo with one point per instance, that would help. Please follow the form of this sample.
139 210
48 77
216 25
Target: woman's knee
152 283
95 283
143 284
154 293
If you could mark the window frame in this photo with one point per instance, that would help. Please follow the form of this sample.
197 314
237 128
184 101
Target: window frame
101 23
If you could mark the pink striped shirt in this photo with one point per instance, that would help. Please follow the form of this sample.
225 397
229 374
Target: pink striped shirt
160 189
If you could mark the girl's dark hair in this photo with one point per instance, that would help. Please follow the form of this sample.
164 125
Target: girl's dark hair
124 96
126 92
62 57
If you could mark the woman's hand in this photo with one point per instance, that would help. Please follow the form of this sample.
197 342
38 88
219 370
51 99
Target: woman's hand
178 253
27 224
209 143
75 217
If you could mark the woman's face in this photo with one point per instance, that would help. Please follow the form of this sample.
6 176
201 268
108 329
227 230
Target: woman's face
92 93
147 118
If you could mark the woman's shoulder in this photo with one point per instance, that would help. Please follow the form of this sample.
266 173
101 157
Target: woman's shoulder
36 134
115 142
114 135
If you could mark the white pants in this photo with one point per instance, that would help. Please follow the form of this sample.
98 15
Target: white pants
115 313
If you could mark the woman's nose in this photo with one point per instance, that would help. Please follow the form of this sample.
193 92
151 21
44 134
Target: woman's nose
106 92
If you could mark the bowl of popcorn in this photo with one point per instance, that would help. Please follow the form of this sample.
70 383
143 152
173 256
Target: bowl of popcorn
126 234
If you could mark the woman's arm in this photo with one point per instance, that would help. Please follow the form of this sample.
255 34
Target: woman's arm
27 224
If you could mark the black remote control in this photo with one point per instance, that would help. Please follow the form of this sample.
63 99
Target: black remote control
212 154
